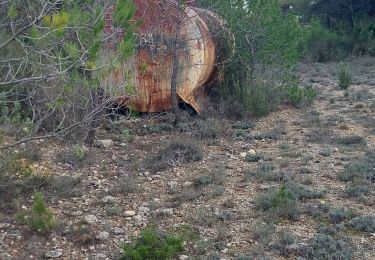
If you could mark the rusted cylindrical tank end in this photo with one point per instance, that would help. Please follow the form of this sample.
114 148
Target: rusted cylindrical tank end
144 81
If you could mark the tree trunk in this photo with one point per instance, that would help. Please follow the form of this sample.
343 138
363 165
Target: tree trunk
97 101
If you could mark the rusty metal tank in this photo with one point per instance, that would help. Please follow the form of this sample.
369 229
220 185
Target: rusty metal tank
143 82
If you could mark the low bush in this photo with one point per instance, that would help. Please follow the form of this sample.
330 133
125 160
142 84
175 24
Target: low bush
361 176
323 246
344 78
363 223
351 140
208 129
202 181
253 157
153 245
323 45
279 202
39 218
262 232
301 97
339 215
302 191
360 169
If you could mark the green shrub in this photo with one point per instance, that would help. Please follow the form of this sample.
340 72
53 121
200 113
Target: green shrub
344 78
339 215
363 223
260 97
351 140
262 232
279 202
361 175
253 157
302 191
202 181
152 245
325 246
364 35
208 129
39 218
323 45
301 97
79 152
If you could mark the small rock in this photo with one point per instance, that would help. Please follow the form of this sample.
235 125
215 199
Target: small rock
144 210
172 186
183 257
103 235
165 212
252 151
118 231
107 143
188 184
101 256
108 199
53 254
129 213
90 219
243 155
224 251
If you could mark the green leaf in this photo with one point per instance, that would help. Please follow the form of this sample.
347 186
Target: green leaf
12 12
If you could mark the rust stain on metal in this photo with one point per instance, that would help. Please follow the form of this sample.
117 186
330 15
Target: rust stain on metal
145 79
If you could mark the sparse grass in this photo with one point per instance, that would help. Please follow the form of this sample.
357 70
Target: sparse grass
265 172
244 125
274 134
17 179
124 185
75 156
186 195
178 151
39 218
262 232
284 238
153 245
217 190
64 186
320 135
156 128
204 216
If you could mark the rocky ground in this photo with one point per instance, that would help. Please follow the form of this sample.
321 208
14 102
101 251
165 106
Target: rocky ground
103 196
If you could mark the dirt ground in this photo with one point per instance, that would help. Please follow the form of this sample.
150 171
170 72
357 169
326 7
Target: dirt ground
106 198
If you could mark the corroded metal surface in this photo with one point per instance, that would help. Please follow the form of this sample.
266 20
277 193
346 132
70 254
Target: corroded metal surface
145 79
